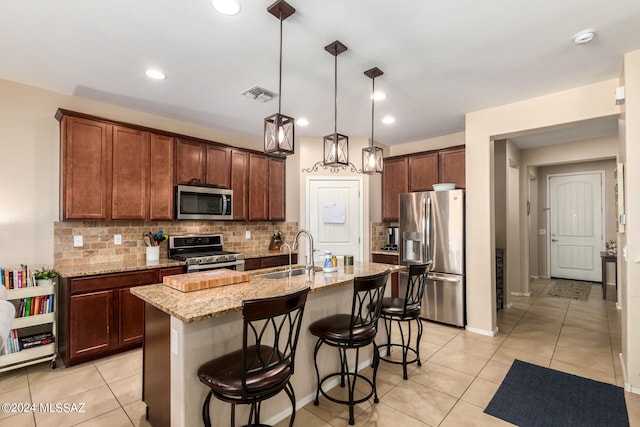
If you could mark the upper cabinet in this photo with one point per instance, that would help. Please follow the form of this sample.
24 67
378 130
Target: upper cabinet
452 164
118 171
395 180
85 169
418 172
201 163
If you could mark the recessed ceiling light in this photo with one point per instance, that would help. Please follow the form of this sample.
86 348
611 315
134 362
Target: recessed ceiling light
302 122
226 7
155 74
379 96
387 120
584 36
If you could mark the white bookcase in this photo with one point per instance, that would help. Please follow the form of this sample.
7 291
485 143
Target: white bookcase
39 354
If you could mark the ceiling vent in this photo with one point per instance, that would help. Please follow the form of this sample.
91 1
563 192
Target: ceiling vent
260 94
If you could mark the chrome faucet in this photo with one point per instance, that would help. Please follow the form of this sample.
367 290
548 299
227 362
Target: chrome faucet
294 246
288 270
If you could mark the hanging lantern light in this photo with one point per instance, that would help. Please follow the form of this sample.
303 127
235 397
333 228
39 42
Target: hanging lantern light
279 130
372 155
336 146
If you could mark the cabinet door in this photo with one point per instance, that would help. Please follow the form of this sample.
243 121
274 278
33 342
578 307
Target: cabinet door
277 189
161 193
258 188
86 169
395 180
239 183
423 172
130 174
218 166
452 164
130 319
90 323
190 157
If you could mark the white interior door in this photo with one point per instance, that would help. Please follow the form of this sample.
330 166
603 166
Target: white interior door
575 224
334 215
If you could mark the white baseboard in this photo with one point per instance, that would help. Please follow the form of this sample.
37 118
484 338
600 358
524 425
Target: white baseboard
521 294
534 277
482 331
507 306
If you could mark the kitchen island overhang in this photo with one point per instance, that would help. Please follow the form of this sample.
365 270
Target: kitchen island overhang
184 330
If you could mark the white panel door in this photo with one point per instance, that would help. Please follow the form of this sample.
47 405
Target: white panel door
335 216
575 224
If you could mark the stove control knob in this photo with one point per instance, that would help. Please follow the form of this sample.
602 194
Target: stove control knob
198 261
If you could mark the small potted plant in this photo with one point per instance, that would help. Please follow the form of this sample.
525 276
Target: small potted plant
45 276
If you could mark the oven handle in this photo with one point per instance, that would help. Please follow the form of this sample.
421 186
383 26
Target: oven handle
200 267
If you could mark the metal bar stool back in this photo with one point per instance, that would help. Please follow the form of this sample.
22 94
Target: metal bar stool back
352 331
405 309
264 365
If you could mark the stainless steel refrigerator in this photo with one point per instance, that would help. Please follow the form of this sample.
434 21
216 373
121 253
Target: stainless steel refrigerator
432 228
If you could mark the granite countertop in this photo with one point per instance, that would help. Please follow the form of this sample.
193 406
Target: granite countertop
199 305
116 267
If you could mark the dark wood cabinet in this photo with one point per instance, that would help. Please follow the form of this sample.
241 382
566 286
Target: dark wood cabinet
130 177
201 163
423 172
418 172
452 167
389 259
91 321
161 192
258 187
218 166
277 189
395 180
240 183
99 316
85 168
269 261
190 164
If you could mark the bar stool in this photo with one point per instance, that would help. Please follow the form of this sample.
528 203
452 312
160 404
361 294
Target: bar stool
405 310
264 365
352 331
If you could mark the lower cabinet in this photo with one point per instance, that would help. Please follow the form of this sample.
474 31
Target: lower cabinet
269 261
99 316
389 259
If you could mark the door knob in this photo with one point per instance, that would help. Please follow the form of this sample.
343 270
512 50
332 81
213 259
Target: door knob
554 240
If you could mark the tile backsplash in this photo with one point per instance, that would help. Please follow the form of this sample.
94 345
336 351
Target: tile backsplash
98 238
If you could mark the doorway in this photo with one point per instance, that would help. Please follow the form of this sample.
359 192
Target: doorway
576 231
334 214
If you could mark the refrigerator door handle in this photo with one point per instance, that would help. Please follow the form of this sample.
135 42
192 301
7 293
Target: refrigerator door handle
427 235
443 278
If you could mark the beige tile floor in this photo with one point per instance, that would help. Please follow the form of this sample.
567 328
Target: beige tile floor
459 375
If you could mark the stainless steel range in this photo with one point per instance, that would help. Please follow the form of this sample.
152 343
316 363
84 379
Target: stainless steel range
204 252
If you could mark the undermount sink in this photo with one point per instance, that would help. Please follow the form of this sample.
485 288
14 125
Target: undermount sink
284 274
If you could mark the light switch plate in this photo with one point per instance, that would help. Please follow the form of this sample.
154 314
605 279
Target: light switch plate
247 234
117 239
77 241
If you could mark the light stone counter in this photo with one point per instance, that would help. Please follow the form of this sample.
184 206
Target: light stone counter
116 267
206 324
195 306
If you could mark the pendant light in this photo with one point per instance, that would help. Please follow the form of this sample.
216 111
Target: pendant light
336 146
279 129
372 155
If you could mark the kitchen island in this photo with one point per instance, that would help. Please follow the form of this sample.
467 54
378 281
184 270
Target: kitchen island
184 330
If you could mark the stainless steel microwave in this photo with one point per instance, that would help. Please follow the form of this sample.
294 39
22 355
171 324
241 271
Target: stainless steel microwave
202 203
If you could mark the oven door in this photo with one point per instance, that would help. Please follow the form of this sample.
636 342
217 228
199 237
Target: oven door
232 265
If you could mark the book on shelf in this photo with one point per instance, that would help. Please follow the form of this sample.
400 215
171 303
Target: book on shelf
36 340
33 306
16 278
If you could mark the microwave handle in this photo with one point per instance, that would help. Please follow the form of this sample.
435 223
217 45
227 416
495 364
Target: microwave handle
224 204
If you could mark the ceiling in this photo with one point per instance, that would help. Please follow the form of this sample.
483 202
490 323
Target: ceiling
441 58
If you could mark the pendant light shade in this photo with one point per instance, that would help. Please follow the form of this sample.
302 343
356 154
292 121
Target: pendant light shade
279 130
372 155
336 146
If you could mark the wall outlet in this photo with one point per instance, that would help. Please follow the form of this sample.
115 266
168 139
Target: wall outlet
117 239
77 241
247 234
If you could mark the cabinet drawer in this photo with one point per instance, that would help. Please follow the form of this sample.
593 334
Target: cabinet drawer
385 259
113 281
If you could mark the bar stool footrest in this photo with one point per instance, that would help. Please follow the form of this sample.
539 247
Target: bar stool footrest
346 402
399 362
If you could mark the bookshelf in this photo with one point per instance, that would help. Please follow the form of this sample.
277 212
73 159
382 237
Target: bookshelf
30 324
